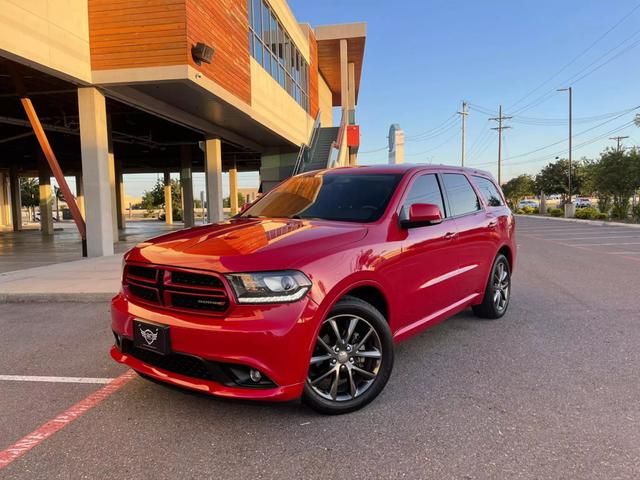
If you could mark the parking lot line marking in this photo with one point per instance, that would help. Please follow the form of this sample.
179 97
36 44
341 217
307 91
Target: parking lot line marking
46 430
580 247
36 378
609 244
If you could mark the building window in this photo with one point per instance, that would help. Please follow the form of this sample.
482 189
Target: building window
273 48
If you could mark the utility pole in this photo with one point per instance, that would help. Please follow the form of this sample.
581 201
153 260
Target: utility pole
570 90
500 118
463 114
618 144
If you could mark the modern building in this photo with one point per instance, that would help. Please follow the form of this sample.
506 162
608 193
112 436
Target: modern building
94 89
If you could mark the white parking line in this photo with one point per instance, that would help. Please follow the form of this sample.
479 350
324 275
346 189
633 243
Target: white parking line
623 253
36 378
607 244
598 237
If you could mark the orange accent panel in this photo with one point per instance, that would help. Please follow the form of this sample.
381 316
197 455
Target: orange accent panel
314 102
137 33
224 25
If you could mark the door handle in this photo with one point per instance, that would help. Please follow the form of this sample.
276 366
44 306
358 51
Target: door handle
450 235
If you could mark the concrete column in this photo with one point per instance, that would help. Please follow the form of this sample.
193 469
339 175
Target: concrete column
112 183
213 179
5 209
344 75
351 76
80 195
119 196
94 145
233 189
46 197
16 201
168 206
186 182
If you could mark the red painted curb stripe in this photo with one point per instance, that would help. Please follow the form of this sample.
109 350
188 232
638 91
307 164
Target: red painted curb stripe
43 432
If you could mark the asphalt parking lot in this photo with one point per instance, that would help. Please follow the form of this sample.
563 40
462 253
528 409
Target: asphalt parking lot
550 391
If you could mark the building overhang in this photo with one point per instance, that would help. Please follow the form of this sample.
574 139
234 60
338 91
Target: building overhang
183 95
328 38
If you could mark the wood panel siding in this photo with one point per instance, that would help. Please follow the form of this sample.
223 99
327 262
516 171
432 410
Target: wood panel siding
137 33
224 25
314 102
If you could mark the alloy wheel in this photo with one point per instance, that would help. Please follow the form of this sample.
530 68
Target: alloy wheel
346 358
501 287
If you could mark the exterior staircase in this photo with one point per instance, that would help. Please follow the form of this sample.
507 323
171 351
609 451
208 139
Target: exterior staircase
320 151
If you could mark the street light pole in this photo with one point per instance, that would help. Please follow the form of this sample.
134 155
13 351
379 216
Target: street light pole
570 90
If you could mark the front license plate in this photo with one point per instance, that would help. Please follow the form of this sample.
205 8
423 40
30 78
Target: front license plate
151 336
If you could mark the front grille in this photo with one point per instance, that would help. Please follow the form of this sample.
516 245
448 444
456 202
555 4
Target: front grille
198 302
175 288
145 293
195 279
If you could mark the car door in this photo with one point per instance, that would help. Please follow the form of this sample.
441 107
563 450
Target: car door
429 259
476 227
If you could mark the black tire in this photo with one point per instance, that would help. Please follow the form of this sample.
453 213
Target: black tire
361 340
491 306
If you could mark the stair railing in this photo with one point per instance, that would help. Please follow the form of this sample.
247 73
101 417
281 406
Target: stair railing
305 148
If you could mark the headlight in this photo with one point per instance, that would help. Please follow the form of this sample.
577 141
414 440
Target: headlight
269 287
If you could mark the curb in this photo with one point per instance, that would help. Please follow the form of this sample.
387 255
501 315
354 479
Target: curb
43 297
598 223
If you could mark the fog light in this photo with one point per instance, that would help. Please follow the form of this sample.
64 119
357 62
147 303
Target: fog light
255 375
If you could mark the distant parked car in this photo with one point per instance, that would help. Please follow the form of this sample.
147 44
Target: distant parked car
583 203
528 203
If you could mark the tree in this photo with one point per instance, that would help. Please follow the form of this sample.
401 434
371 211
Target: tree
30 194
226 201
154 198
616 176
517 188
554 178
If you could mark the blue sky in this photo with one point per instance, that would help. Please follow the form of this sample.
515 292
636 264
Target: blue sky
423 58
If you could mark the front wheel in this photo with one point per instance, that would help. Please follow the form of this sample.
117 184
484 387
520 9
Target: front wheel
351 360
498 291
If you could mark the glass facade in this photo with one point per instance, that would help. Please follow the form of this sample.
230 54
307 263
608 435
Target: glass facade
271 46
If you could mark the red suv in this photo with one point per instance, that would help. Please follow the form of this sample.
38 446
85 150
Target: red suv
306 292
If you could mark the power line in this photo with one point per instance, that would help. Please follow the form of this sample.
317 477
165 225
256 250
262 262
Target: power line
580 55
434 131
581 73
435 147
576 135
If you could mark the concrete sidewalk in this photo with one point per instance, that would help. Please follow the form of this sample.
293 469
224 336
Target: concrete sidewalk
88 280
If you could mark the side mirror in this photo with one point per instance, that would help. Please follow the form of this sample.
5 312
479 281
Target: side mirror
421 214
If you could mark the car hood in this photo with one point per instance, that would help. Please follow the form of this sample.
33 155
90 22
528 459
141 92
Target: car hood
248 244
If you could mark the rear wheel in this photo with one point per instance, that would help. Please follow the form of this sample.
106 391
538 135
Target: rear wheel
351 360
498 292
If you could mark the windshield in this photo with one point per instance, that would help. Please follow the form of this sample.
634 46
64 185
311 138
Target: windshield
343 197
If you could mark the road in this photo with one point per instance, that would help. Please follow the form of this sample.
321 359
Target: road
550 391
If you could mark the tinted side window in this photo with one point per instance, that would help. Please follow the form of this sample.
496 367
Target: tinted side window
425 189
462 197
488 191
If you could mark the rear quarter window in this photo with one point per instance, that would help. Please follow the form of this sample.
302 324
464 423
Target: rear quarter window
488 191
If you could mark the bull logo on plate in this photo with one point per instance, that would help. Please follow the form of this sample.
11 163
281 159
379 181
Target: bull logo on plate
149 336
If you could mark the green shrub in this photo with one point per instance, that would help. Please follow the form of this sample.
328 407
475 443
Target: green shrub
556 212
530 210
588 213
519 211
620 210
635 212
602 216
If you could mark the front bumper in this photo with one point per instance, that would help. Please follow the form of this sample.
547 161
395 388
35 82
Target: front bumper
277 340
